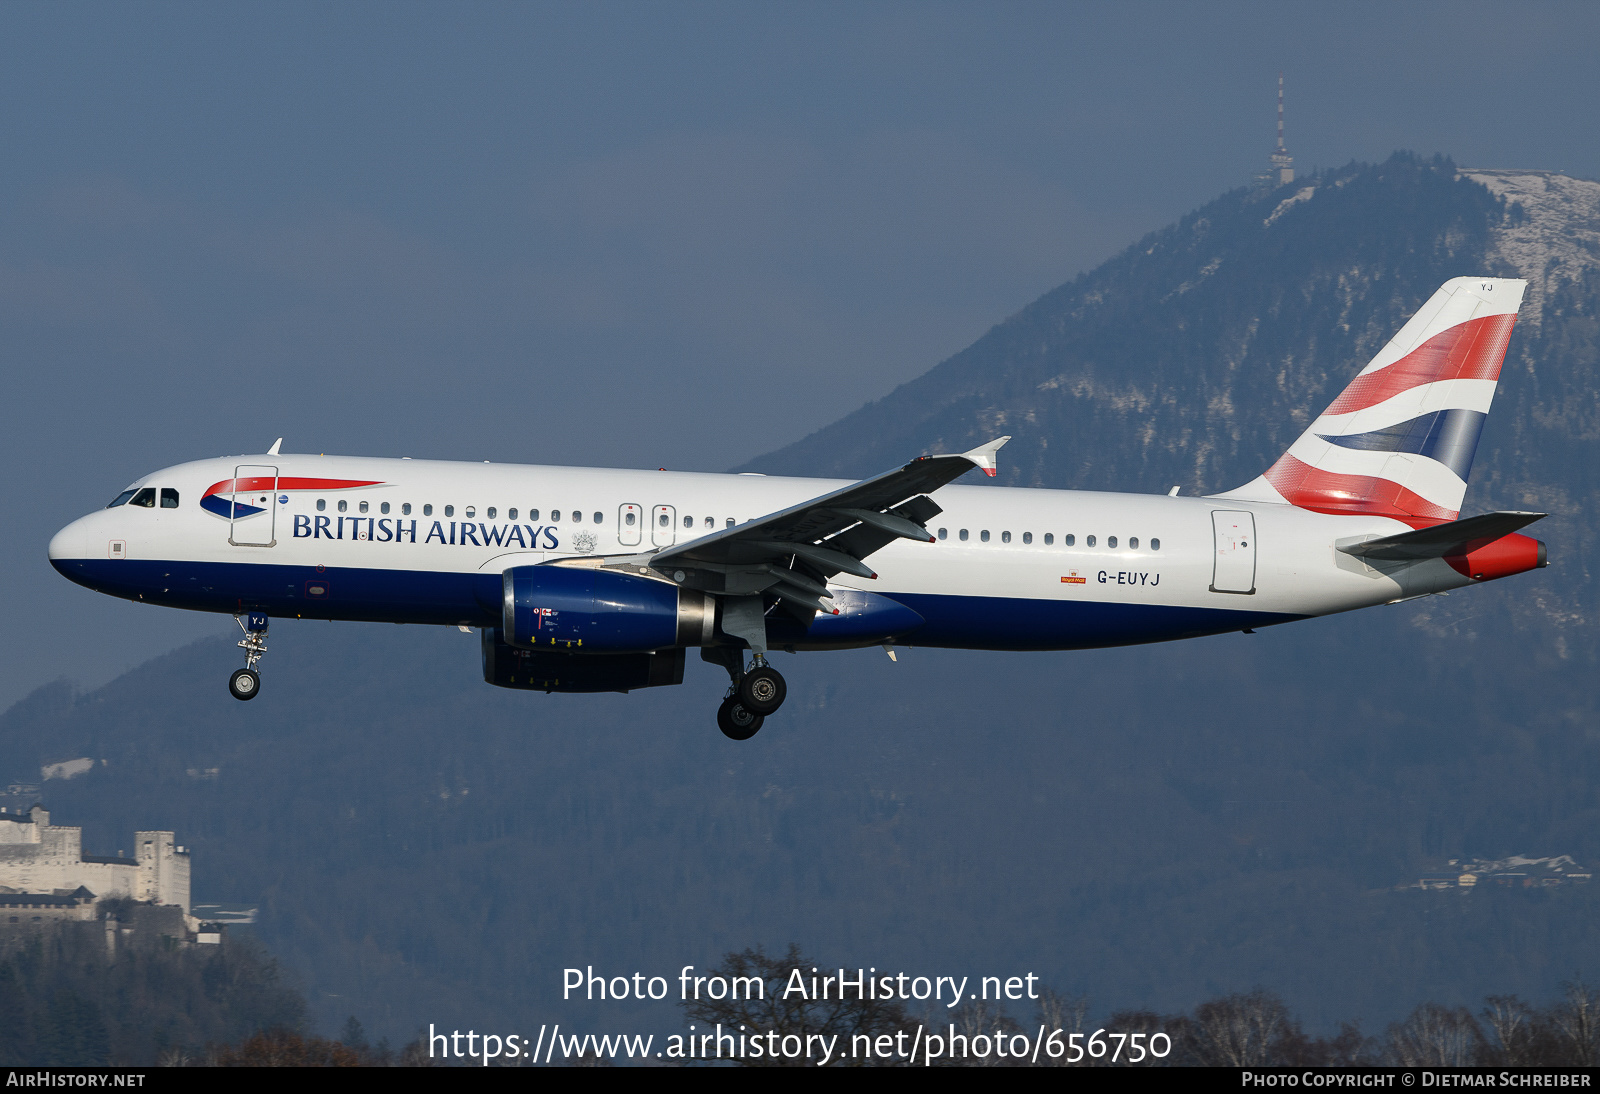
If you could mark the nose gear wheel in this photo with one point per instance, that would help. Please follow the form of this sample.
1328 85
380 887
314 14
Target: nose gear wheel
244 684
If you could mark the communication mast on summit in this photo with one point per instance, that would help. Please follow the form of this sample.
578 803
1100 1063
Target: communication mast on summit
1282 171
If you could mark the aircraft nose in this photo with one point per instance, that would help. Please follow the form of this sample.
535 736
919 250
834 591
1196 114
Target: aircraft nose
69 543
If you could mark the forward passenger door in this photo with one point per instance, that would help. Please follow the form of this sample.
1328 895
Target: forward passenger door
255 488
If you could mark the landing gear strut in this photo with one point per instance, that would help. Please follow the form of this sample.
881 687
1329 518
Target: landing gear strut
753 694
246 682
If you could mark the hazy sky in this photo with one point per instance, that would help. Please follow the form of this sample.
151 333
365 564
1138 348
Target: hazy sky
628 234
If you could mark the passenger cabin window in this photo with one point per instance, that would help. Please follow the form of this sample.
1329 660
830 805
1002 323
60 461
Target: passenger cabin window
427 510
730 522
449 510
322 503
628 520
1027 537
383 507
665 520
944 533
1111 541
1133 543
1069 540
962 535
533 514
984 535
1088 541
511 514
577 516
145 497
121 499
1155 545
489 512
555 514
688 522
169 498
472 511
362 507
405 508
600 518
1005 537
343 505
1049 538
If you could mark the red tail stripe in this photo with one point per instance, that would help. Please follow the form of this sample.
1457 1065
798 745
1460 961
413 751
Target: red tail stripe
265 482
1327 492
1473 350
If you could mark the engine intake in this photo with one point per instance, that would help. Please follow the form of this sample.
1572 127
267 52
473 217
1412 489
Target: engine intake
597 611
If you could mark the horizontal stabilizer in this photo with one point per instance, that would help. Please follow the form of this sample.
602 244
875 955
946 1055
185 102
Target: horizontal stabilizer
1458 537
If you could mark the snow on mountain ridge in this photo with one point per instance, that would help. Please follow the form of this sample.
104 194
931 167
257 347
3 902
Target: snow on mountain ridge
1558 238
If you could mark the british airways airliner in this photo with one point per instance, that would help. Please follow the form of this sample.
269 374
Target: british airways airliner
585 579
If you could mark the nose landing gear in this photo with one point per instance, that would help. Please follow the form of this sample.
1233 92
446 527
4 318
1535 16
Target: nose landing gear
245 683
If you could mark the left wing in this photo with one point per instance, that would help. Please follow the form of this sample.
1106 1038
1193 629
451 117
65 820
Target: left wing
791 554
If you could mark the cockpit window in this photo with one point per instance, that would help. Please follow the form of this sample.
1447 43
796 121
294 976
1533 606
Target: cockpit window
121 499
145 497
169 498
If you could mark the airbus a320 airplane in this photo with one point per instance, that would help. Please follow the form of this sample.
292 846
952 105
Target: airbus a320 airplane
584 579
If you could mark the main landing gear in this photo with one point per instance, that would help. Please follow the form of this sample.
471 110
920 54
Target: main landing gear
246 682
753 694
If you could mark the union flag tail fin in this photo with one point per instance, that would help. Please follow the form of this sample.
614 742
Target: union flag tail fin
1399 441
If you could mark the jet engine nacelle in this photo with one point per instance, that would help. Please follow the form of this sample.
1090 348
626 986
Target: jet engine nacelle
541 670
573 608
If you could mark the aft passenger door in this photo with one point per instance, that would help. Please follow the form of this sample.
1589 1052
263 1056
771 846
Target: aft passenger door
663 525
1234 570
252 516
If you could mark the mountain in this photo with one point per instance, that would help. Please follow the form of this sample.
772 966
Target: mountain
1151 826
1200 353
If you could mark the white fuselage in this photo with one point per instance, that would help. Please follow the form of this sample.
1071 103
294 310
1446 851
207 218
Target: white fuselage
425 541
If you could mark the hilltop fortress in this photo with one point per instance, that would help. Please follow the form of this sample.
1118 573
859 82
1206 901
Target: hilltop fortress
44 874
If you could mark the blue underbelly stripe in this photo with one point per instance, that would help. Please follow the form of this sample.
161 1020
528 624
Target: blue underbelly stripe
1006 623
426 596
345 593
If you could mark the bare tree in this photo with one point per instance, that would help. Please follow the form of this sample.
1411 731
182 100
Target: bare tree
1177 1028
1436 1036
1575 1022
1347 1048
755 998
986 1019
1242 1030
1066 1013
1514 1026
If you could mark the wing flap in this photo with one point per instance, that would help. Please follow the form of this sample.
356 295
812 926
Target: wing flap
878 502
792 553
